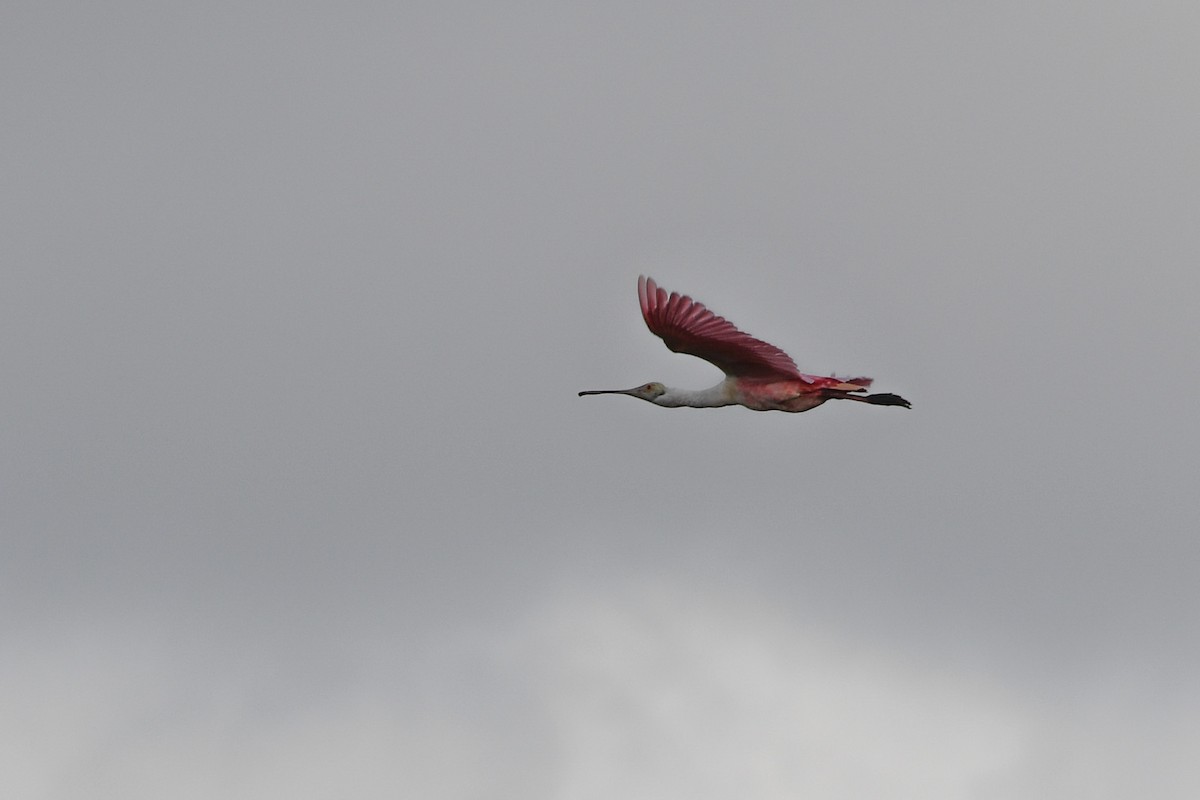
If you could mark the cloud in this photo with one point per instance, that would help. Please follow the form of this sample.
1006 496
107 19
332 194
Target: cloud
643 688
661 691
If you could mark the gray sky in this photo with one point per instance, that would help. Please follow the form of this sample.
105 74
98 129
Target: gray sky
297 499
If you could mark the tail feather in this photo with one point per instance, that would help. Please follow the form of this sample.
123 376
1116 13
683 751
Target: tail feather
882 399
887 399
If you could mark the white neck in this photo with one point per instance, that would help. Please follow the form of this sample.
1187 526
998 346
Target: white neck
712 397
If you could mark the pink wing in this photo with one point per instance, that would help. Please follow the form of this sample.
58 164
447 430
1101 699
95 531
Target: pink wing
688 327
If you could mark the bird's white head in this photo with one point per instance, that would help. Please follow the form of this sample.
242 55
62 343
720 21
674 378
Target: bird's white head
647 391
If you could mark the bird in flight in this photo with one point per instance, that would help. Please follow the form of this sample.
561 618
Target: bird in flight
758 375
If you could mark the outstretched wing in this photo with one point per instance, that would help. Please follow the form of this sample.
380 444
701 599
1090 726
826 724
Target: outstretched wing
688 327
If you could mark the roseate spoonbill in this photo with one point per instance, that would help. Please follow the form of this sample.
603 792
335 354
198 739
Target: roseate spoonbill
758 375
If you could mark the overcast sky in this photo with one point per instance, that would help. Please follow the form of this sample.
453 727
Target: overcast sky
297 498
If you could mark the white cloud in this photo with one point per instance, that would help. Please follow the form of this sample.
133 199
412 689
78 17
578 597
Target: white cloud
659 692
642 689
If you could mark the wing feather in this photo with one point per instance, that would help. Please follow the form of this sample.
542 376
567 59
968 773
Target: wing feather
686 326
